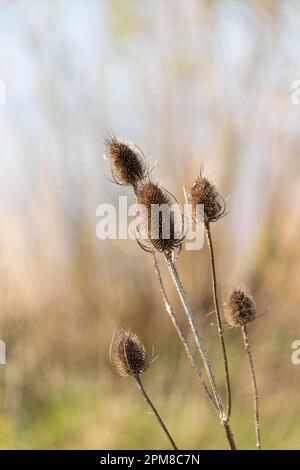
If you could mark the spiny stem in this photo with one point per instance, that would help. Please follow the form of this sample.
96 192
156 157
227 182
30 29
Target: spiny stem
218 316
254 386
173 319
194 329
149 402
229 435
200 346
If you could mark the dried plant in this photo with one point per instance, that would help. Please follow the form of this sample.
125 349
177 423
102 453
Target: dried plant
128 165
152 195
129 358
205 193
241 310
161 226
162 233
128 355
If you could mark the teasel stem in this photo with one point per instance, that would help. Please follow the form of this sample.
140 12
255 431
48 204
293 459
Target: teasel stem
229 434
218 316
154 410
254 386
200 346
193 326
179 332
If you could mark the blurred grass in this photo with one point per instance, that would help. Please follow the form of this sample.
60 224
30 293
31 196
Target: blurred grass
58 391
86 416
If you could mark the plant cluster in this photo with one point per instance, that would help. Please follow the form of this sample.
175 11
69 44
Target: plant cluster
128 355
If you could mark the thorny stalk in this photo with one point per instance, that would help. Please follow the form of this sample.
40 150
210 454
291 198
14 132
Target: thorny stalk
218 316
201 347
154 410
254 386
179 332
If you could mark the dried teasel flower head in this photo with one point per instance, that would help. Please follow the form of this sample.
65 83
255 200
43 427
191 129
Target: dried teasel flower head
162 223
128 164
205 193
128 355
241 308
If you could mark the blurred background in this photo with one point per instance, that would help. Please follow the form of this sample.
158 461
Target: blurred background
193 83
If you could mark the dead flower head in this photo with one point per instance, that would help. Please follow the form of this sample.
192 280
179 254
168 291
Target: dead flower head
128 164
128 355
162 219
241 308
205 193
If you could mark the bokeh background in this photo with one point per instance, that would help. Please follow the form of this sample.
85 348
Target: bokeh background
192 82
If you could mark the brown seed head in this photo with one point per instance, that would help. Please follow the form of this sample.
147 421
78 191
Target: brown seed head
161 218
241 308
128 355
127 161
204 192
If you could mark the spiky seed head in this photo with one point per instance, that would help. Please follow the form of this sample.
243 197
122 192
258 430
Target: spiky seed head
205 193
128 355
128 165
241 308
161 218
152 193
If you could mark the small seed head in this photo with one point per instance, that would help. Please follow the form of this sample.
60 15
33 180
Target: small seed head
161 221
241 308
204 192
128 355
127 161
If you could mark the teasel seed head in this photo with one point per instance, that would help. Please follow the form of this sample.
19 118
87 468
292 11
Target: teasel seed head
162 221
128 164
128 355
241 308
204 192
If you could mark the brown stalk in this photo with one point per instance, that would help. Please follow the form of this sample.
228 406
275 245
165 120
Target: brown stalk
254 386
201 348
173 319
155 412
218 316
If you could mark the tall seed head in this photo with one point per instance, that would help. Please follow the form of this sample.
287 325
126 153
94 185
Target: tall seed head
162 223
127 161
128 355
204 192
241 308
